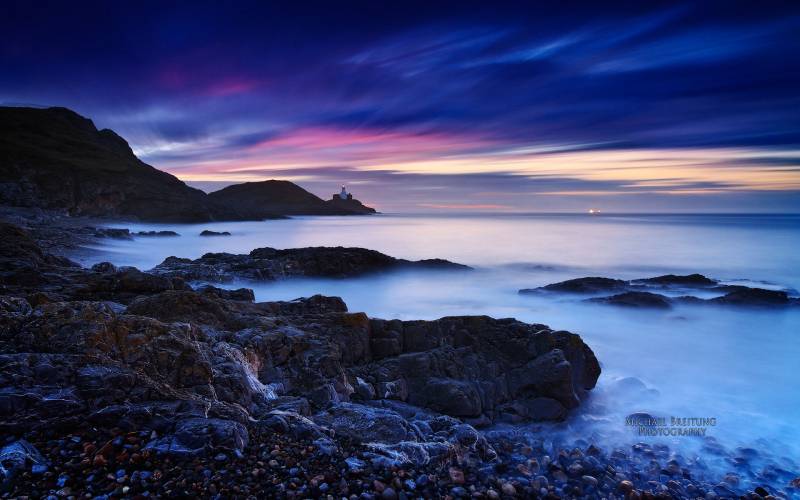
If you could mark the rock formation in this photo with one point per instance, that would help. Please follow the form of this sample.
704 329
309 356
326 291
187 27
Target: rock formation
642 293
268 264
201 369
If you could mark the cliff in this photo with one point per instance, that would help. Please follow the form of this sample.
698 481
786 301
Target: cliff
57 159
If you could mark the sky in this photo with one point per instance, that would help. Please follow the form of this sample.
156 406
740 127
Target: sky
437 106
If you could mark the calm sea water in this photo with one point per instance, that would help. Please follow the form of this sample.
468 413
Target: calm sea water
738 366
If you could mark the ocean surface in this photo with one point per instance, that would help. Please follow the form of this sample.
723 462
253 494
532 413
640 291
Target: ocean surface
737 366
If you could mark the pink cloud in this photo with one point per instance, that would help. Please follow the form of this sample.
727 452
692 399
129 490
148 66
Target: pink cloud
366 145
175 78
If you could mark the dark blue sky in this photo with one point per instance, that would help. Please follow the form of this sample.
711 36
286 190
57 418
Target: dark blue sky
436 105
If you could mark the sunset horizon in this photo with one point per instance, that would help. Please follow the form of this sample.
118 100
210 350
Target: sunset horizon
657 108
410 250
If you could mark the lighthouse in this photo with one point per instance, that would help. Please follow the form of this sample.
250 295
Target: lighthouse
343 194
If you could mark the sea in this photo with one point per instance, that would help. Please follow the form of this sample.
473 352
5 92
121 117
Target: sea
732 372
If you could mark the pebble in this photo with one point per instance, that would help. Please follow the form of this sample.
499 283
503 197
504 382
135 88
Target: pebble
508 489
456 476
458 492
625 486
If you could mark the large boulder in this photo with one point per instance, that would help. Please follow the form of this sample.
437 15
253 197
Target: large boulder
471 367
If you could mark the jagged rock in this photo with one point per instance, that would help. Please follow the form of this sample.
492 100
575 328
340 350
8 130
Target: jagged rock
636 299
366 424
195 436
267 264
118 347
15 457
245 294
469 366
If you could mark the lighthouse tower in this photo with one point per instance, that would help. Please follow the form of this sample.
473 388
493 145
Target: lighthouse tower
343 195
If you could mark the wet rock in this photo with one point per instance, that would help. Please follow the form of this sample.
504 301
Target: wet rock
641 293
157 233
16 457
646 300
208 232
754 297
689 280
115 233
268 264
198 435
366 424
582 286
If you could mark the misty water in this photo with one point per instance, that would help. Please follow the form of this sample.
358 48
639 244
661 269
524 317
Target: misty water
739 366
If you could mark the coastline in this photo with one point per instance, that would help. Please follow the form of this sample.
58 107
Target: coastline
520 463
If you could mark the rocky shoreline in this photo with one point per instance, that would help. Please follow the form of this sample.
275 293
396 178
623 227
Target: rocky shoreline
198 369
118 383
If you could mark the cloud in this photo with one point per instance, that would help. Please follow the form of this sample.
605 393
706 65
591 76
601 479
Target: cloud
612 98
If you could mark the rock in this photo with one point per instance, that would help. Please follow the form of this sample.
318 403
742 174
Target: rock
582 286
456 476
366 424
115 233
754 297
469 366
689 280
157 233
539 409
635 299
245 294
195 436
207 232
508 489
205 376
268 264
640 293
15 457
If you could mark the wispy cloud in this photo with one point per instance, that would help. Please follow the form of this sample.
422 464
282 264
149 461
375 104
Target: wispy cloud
687 104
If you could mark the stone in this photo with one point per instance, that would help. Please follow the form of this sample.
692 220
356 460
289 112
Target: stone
583 286
636 299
